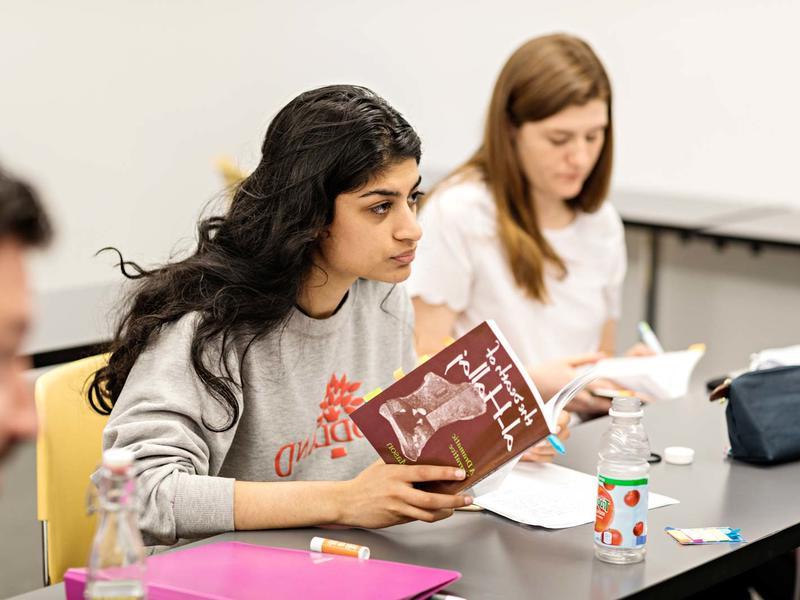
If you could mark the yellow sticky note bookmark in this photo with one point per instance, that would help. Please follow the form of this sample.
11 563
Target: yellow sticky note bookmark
370 395
398 374
447 341
698 347
422 359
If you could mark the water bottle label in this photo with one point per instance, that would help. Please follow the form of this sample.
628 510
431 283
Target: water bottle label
621 513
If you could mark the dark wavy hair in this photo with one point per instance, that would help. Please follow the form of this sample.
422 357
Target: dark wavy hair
248 269
22 216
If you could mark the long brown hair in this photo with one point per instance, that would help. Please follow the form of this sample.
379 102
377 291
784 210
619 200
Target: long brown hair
544 76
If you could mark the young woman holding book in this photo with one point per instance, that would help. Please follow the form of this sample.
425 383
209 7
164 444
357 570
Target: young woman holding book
233 370
521 232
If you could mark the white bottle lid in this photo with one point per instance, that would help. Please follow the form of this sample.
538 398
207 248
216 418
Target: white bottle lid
117 458
679 455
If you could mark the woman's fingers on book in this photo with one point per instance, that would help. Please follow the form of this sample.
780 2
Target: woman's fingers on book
432 473
588 406
429 516
562 425
432 501
539 453
443 513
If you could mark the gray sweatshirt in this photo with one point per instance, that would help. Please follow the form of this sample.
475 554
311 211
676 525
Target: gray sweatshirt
300 383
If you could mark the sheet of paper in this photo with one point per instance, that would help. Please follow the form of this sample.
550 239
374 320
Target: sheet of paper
662 376
775 357
550 496
659 377
494 481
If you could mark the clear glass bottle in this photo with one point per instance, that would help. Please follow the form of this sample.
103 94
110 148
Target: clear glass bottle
620 530
116 563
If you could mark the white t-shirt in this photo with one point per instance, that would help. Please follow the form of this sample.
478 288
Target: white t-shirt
461 263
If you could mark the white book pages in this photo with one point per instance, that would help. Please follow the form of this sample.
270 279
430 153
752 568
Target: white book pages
661 376
775 357
493 482
550 496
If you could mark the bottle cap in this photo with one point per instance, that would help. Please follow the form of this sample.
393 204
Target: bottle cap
679 455
117 458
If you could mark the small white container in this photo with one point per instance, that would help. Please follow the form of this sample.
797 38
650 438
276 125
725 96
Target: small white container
679 455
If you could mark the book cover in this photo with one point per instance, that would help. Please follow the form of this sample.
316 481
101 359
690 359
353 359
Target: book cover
240 571
472 405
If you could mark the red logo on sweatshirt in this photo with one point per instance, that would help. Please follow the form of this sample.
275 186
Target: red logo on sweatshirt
338 397
333 426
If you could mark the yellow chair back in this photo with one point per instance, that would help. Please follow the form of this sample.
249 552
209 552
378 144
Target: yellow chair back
68 450
231 173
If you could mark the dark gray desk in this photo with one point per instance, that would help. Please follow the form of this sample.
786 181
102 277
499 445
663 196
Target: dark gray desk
501 559
722 221
682 213
777 229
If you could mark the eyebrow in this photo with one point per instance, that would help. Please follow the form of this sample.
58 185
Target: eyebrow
570 132
392 193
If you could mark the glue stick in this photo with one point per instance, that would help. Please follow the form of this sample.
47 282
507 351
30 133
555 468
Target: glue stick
319 544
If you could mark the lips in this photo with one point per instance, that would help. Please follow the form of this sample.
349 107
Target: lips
405 258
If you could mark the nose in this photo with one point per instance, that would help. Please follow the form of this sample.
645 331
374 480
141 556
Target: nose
580 154
407 228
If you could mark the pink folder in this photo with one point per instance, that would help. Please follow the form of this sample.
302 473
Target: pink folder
237 570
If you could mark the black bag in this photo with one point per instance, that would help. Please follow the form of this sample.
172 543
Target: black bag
763 414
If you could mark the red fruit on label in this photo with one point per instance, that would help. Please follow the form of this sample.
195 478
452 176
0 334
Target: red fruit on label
604 513
609 486
632 498
638 529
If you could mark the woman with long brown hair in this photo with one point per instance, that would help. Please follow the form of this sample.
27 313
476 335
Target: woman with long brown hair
521 232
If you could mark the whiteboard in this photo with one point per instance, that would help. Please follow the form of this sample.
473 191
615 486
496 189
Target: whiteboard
117 110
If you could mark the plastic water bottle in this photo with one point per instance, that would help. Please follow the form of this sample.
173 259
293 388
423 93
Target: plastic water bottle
620 529
116 564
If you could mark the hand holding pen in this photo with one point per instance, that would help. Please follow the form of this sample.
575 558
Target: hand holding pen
649 339
546 450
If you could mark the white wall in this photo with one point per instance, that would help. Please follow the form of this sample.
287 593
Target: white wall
117 109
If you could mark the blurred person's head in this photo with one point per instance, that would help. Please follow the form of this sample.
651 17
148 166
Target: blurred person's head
23 224
548 139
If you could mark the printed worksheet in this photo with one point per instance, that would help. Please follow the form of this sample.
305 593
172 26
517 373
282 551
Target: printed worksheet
550 496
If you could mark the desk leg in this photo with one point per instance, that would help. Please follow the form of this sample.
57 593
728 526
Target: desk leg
652 278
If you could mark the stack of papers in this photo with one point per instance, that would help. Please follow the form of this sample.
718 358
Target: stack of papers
775 357
550 496
661 376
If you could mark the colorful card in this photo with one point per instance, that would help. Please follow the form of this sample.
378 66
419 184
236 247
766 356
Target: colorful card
705 535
